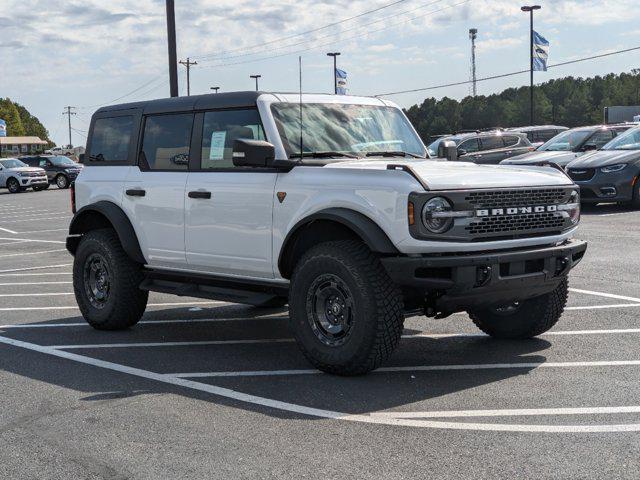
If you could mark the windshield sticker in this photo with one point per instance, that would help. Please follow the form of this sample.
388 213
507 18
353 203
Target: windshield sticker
217 145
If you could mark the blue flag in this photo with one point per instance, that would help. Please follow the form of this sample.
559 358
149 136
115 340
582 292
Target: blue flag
540 52
341 81
3 128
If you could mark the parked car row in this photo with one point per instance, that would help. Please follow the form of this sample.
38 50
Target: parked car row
37 172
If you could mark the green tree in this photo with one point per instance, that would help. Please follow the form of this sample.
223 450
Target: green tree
9 113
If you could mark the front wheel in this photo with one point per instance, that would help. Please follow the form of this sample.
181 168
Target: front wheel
62 182
13 185
345 311
526 319
106 282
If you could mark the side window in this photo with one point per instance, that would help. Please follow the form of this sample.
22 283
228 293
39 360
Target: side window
491 143
43 163
221 129
469 146
510 140
166 141
111 139
600 138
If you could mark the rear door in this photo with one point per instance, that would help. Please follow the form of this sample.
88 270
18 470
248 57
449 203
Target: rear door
228 209
154 191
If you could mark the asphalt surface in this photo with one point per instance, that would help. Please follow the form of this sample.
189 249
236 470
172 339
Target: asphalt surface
211 390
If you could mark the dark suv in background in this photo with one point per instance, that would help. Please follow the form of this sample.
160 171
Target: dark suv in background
539 134
60 170
486 147
571 144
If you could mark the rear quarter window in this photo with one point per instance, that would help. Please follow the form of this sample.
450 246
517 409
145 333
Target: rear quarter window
111 140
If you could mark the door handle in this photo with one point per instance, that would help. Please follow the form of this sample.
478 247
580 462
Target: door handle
136 192
200 194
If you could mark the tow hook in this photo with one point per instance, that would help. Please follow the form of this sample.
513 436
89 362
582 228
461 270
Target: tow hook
483 275
561 265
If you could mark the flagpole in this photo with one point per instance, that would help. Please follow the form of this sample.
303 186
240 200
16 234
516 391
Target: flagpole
530 10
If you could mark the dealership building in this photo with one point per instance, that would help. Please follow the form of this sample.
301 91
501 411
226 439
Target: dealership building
13 146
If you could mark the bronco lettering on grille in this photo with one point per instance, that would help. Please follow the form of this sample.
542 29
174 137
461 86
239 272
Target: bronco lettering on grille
500 212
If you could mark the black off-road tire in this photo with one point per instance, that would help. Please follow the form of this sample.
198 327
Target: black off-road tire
532 318
13 185
125 303
377 312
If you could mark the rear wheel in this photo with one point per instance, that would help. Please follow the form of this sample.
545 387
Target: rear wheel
106 282
13 185
521 320
345 311
62 181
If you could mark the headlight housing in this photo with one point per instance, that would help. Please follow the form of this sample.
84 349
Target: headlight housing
572 208
613 168
435 215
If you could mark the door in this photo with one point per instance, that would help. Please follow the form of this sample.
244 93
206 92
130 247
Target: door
154 191
229 209
468 150
492 150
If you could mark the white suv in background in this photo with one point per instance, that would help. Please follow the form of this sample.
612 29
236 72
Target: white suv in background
17 176
327 203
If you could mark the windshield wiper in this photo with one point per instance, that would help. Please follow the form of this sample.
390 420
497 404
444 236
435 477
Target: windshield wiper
325 154
398 153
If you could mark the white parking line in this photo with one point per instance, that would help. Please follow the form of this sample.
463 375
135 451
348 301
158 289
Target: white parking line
8 231
34 274
75 307
436 336
420 368
32 215
23 284
44 267
301 409
523 412
33 253
33 220
33 240
48 294
603 307
14 242
45 231
605 295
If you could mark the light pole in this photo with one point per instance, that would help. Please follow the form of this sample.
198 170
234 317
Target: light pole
215 89
335 56
531 9
171 41
256 77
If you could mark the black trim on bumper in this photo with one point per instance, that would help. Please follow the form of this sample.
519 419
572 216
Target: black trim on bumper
466 281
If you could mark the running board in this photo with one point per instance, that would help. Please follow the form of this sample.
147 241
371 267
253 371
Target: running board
249 292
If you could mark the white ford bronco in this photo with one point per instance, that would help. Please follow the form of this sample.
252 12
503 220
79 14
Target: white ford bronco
329 204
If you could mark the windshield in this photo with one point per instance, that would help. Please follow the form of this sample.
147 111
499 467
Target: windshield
630 140
13 163
62 162
345 129
566 141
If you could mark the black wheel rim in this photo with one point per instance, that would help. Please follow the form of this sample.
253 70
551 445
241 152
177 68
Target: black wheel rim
97 280
330 310
62 182
13 186
508 310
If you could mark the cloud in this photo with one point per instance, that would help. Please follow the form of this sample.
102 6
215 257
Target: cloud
493 44
387 47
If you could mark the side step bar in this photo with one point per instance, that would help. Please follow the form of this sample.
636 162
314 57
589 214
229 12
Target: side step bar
251 292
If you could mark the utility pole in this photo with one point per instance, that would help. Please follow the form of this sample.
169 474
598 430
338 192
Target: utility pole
335 55
256 77
171 41
188 64
531 9
215 89
473 34
68 113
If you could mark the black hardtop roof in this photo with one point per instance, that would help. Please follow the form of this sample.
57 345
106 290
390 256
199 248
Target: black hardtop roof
195 102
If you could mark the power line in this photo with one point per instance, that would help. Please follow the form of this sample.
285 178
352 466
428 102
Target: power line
123 96
317 29
331 35
322 45
493 77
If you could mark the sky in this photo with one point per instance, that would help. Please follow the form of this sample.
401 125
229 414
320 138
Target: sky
85 54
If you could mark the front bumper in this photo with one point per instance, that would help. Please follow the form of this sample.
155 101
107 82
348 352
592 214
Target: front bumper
452 283
34 181
608 187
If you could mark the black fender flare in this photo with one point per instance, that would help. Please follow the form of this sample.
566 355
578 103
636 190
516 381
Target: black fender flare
371 234
84 221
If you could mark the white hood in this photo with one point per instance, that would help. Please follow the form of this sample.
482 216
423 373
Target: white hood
28 169
441 175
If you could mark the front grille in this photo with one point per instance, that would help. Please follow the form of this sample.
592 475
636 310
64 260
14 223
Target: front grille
516 198
582 175
517 224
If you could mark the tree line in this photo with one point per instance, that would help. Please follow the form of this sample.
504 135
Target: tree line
20 122
568 101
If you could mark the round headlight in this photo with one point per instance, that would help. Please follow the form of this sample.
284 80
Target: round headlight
432 215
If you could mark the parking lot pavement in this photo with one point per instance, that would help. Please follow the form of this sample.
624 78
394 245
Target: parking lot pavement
209 389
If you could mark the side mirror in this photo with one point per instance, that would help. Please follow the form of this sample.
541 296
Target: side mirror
589 147
253 153
461 152
448 150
